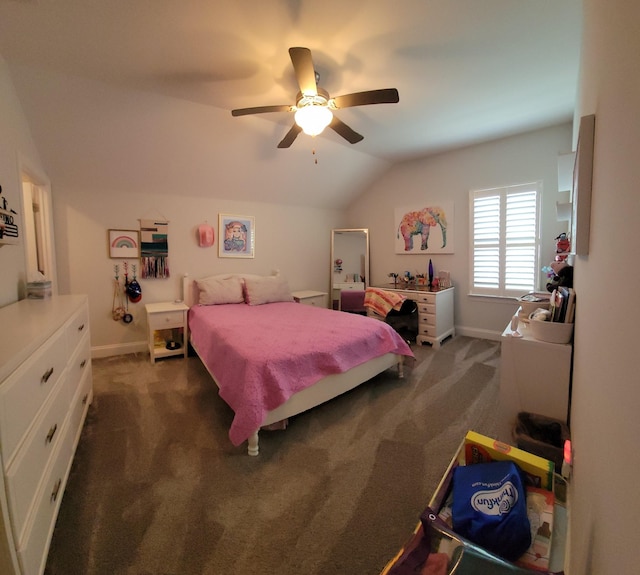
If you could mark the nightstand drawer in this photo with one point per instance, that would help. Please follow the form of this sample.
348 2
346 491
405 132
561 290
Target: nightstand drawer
166 319
318 301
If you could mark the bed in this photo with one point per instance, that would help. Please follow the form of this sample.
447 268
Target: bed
273 358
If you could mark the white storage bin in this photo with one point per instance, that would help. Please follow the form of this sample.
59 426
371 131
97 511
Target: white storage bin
551 331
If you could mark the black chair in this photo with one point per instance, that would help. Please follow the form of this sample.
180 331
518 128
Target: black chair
405 320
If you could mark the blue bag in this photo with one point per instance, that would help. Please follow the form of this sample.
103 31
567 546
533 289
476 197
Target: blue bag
490 507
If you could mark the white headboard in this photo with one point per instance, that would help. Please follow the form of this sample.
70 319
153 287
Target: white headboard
189 290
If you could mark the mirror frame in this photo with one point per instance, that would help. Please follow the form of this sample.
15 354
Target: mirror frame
362 231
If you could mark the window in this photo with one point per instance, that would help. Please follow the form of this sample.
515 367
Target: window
505 239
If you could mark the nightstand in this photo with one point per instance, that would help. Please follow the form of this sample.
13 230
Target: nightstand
310 297
167 322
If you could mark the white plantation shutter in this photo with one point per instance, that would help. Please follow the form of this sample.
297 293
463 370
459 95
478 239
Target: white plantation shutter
504 236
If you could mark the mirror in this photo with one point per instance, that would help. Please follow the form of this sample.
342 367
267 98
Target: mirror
38 230
349 261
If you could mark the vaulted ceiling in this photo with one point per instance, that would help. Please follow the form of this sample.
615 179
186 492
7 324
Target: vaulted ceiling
467 71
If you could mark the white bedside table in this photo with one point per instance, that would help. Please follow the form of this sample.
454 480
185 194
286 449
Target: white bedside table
310 297
167 322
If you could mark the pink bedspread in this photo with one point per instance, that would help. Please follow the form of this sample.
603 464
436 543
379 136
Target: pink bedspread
261 355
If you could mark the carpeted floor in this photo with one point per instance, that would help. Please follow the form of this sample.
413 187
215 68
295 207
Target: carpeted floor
158 489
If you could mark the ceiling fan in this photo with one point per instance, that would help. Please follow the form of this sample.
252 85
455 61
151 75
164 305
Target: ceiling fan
314 107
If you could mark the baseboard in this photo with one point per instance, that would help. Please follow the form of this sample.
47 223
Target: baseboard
479 333
118 349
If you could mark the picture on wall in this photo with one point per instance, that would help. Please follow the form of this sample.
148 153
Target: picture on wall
9 220
236 236
124 244
581 191
154 253
425 229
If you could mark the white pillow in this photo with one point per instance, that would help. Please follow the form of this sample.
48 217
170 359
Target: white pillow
220 290
266 290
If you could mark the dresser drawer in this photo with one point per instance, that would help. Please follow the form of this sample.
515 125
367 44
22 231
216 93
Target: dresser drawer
79 407
166 319
79 363
77 327
427 330
24 392
424 308
32 551
427 319
25 472
424 298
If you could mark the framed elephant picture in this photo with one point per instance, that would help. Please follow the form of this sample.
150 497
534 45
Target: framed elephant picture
425 229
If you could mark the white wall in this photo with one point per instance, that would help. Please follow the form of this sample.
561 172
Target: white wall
605 424
292 239
450 177
17 151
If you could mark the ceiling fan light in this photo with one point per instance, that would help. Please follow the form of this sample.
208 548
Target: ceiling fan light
313 119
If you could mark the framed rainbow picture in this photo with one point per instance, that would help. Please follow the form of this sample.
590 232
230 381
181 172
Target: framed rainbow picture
124 244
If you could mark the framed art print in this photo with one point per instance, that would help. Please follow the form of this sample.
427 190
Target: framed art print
236 236
9 220
424 229
124 244
582 181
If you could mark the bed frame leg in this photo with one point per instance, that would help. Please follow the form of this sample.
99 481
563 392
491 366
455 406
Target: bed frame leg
401 368
253 447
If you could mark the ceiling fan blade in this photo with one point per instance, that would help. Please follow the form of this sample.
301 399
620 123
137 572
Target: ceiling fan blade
345 131
384 96
261 110
292 134
305 72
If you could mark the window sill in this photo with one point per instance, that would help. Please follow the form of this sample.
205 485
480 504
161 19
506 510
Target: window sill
503 299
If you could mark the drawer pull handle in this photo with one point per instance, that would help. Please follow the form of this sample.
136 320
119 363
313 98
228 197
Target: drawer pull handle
52 432
56 490
83 363
80 328
45 377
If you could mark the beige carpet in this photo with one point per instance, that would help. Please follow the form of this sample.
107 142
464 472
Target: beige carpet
157 488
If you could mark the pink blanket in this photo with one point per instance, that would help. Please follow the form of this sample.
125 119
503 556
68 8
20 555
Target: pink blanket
261 355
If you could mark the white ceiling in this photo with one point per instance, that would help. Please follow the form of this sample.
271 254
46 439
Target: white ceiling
466 70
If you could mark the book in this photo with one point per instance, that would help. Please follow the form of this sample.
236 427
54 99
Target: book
481 449
571 306
540 511
556 304
564 302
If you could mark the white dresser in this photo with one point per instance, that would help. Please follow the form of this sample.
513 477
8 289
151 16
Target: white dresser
45 391
435 313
